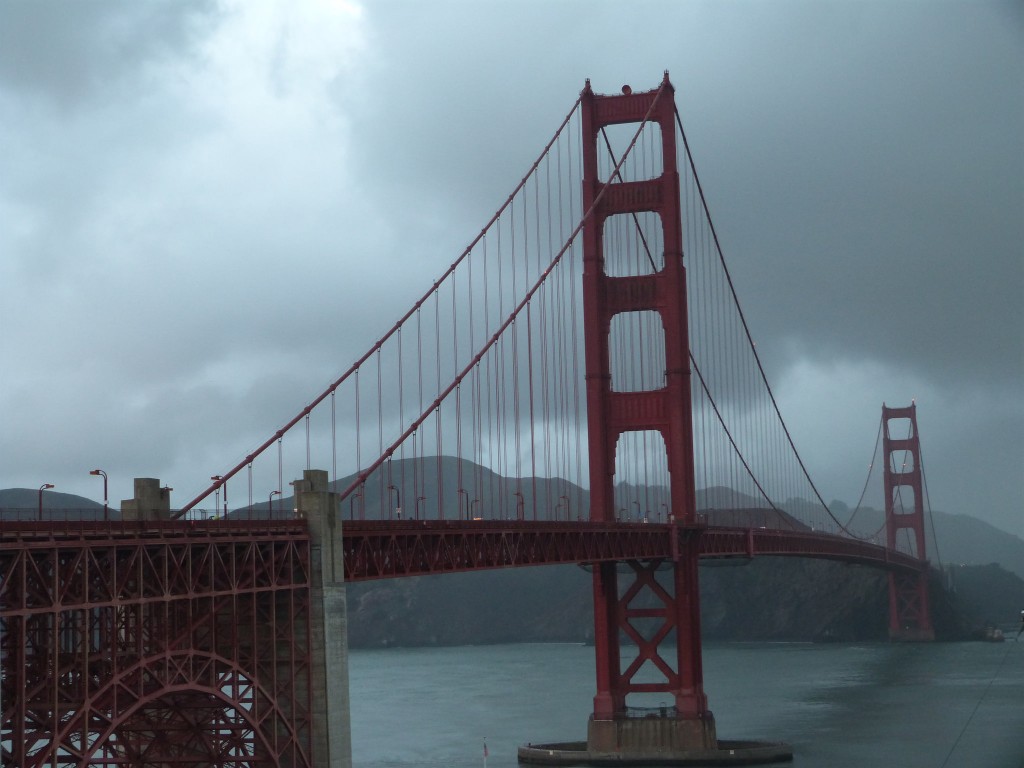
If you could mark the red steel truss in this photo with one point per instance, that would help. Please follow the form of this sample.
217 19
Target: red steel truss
377 550
155 644
188 644
909 615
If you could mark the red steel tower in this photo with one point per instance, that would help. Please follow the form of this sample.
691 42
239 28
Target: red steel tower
909 617
673 649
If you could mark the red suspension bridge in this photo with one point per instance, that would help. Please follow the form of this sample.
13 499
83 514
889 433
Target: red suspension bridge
579 386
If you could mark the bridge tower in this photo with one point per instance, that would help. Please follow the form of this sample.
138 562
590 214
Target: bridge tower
674 649
909 616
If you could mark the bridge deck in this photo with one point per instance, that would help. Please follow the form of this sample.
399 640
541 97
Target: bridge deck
386 549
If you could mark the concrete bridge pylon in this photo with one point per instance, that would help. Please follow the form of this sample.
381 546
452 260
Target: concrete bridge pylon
332 729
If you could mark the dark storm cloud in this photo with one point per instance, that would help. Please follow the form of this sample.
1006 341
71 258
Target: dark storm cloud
69 52
867 164
208 210
883 187
864 165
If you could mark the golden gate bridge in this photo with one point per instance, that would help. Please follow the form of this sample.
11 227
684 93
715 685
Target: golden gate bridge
579 386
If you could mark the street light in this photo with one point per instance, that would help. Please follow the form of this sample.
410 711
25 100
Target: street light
521 506
270 502
43 487
398 505
216 495
101 473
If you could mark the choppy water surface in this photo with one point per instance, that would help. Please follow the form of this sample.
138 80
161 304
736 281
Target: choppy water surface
933 705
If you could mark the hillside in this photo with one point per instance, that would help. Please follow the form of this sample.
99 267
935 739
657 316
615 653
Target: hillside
23 503
773 599
962 539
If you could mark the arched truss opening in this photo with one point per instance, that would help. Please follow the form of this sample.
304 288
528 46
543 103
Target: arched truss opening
190 708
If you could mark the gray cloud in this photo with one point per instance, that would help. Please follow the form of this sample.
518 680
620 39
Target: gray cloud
71 53
207 211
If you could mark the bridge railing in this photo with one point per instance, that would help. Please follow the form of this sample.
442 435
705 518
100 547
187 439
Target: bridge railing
25 521
24 524
26 514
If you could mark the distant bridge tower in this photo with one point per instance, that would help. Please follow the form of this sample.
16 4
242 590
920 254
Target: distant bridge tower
909 616
687 724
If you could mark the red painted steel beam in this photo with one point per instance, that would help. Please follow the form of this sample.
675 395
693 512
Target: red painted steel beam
374 550
382 549
166 643
102 615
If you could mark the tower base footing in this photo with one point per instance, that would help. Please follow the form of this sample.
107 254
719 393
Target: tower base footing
726 753
651 732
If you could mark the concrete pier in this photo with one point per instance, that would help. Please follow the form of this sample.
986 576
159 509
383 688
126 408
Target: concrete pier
726 753
654 737
332 730
651 734
151 502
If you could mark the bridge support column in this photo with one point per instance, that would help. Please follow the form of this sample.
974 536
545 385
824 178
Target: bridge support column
615 730
332 734
656 614
151 502
909 614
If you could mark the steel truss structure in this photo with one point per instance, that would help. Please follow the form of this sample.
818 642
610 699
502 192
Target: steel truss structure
378 549
147 643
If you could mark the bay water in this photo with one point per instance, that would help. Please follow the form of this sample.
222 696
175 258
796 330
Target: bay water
923 705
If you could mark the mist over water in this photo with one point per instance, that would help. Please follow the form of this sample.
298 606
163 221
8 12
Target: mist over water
939 705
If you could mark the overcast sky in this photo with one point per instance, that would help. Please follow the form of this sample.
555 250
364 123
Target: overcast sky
207 210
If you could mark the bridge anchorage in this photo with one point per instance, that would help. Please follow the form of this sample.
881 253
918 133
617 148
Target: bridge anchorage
683 732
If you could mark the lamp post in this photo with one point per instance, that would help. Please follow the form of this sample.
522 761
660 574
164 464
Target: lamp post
270 502
521 506
43 487
418 500
101 473
216 496
568 513
398 505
